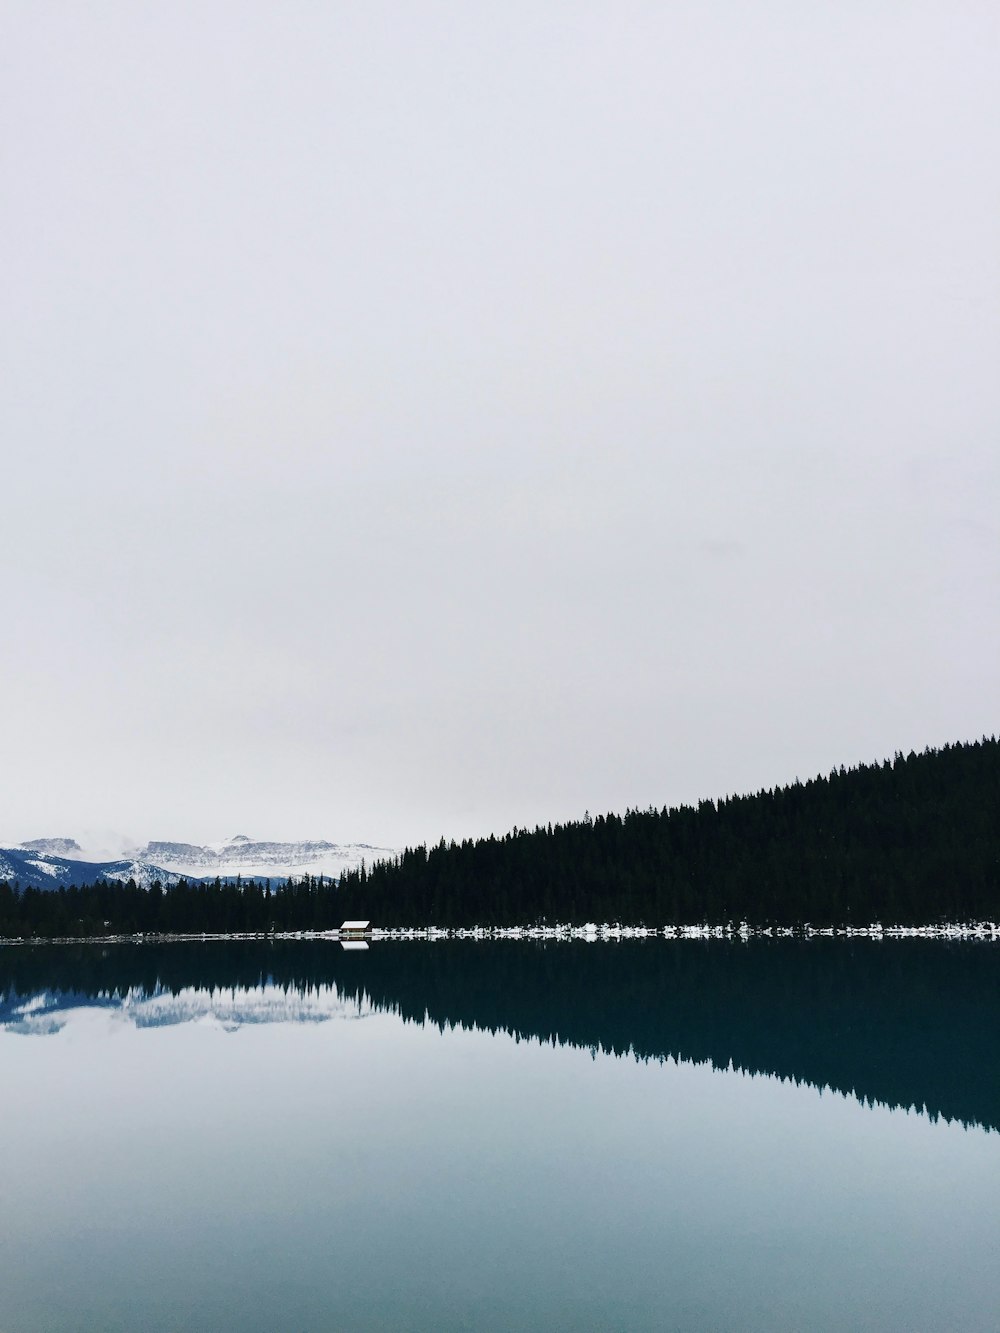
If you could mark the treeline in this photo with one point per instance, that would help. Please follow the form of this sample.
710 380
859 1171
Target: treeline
915 840
112 907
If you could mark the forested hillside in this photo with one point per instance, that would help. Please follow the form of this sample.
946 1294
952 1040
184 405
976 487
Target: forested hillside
915 840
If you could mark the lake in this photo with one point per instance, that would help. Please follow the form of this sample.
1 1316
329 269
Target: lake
256 1135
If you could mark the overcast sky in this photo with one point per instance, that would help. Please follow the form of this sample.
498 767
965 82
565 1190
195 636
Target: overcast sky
425 418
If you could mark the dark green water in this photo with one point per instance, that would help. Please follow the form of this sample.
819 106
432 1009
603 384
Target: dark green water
648 1135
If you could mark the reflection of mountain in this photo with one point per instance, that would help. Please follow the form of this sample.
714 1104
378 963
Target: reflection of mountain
49 1011
907 1023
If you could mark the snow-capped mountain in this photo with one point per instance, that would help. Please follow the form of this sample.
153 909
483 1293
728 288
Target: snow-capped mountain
42 870
49 862
255 859
54 847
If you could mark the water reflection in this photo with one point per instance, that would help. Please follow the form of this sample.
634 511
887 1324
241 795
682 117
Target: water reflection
911 1024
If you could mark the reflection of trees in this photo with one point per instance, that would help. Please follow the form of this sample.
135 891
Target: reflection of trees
905 1023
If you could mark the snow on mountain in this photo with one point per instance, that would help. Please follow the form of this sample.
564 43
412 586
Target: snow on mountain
41 870
36 868
255 859
54 846
48 1012
49 862
142 872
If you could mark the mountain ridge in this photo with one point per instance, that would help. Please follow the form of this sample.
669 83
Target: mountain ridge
42 870
48 863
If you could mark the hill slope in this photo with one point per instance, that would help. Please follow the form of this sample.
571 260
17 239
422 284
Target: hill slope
913 840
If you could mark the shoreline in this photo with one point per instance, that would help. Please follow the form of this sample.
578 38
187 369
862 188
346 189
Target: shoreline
591 933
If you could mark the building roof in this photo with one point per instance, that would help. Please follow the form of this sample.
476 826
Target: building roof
355 925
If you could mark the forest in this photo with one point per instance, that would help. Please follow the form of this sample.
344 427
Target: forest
911 841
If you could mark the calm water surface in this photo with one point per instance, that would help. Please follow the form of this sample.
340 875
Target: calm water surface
500 1136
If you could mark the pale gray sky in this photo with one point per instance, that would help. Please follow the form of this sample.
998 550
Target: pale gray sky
422 418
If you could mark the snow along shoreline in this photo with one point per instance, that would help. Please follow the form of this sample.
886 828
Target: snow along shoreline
591 933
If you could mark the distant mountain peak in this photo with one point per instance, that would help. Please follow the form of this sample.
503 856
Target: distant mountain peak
48 862
31 867
52 846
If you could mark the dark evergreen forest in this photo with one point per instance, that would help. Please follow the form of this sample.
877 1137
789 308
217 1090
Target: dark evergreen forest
912 841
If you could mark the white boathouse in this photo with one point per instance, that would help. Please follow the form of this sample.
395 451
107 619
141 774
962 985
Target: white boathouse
355 930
